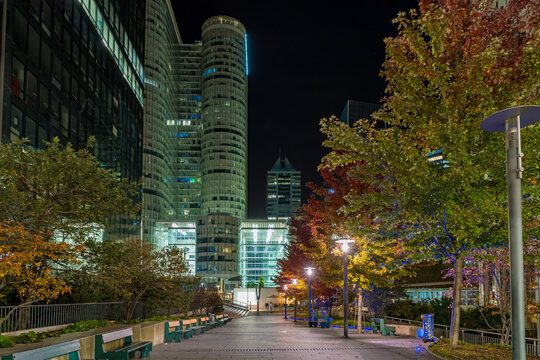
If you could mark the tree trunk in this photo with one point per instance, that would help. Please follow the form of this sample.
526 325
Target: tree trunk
359 305
258 295
456 304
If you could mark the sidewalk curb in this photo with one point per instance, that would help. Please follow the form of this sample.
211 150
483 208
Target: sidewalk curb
434 356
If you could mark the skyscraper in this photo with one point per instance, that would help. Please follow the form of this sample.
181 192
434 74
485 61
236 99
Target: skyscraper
224 116
74 69
283 190
159 116
186 131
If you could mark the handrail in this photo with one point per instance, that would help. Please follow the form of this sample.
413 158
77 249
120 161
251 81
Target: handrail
238 304
481 332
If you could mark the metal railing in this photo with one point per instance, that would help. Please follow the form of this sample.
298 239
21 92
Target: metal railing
39 316
472 336
238 304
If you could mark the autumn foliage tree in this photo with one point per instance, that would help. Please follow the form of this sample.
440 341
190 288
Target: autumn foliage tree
26 265
375 260
452 63
52 201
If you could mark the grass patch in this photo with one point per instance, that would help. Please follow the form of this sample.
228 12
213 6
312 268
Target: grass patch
32 336
474 352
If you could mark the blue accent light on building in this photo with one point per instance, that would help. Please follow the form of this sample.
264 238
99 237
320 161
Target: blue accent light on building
209 71
246 50
182 135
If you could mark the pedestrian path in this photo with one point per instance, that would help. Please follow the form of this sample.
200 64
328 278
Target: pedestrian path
272 337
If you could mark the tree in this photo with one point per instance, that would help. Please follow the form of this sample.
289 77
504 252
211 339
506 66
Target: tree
214 302
452 63
377 259
249 285
60 192
127 270
26 266
174 289
258 288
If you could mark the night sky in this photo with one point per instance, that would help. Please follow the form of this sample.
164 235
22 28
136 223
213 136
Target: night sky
305 61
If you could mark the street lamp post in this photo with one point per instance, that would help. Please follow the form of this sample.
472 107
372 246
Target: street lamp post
511 121
295 299
285 287
345 247
309 273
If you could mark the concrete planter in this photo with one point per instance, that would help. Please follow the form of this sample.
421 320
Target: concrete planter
407 330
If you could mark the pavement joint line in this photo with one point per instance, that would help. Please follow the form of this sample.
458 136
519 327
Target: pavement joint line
294 349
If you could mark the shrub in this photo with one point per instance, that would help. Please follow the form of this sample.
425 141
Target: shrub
442 309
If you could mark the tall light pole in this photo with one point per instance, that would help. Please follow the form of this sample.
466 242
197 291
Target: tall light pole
511 121
285 288
295 298
345 247
309 273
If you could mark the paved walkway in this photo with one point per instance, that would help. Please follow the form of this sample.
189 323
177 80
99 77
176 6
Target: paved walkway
272 337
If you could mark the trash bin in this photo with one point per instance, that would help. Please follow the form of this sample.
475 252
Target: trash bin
427 321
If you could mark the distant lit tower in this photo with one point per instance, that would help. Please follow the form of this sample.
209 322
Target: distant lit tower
283 190
356 110
224 116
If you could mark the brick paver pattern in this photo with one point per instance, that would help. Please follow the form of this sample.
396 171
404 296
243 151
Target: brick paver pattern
272 337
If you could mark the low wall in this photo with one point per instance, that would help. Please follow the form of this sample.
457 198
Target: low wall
150 331
407 330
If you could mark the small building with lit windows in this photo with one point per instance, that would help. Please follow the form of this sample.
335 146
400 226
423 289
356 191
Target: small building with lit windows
262 244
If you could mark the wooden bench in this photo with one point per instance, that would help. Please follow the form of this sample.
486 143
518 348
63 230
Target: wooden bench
217 320
224 318
378 325
124 352
174 330
72 348
206 322
220 320
192 324
324 321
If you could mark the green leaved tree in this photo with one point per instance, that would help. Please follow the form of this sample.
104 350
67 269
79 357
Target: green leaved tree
60 190
452 64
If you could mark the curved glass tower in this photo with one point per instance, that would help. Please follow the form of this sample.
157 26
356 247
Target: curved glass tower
224 116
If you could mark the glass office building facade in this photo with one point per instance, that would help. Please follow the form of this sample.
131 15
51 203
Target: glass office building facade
224 116
72 70
160 109
179 235
262 244
217 250
185 129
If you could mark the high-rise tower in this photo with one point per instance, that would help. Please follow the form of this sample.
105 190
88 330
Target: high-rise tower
159 116
283 190
74 69
224 116
186 161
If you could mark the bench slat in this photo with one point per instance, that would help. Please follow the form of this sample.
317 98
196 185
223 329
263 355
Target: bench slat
133 346
117 335
49 351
